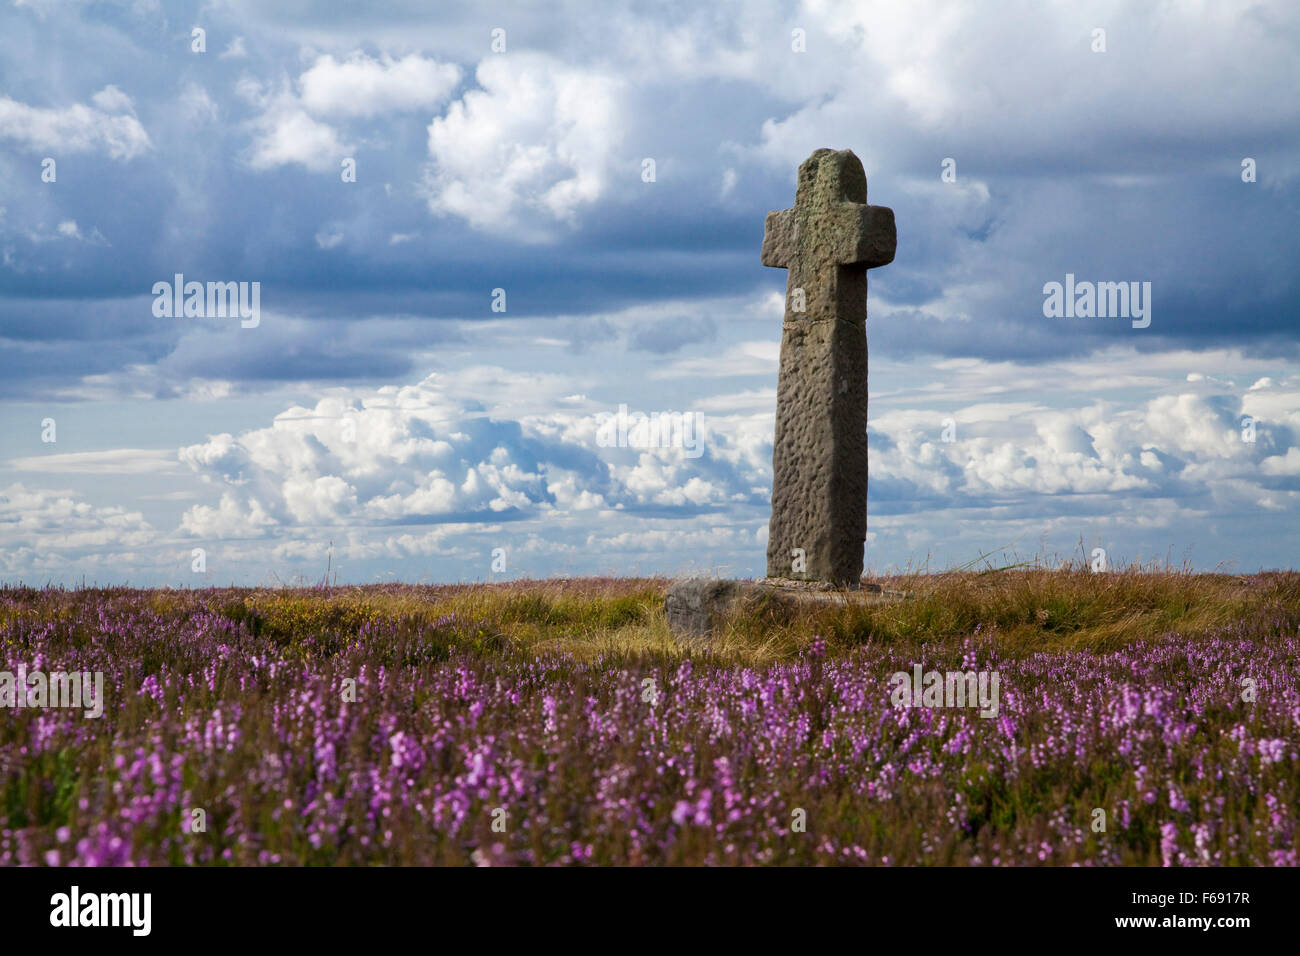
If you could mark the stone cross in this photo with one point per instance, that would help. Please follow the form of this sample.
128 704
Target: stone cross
827 240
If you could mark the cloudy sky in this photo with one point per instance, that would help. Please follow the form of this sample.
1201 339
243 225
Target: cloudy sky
390 400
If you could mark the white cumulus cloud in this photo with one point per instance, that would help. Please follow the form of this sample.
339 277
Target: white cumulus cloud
528 148
363 86
108 126
295 124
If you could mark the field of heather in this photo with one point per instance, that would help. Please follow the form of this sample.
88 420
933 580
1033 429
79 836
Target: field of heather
559 722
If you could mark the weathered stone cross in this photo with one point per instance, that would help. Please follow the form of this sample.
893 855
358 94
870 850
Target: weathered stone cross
828 241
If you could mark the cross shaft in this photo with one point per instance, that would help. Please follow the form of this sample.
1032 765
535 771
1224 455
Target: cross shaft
827 241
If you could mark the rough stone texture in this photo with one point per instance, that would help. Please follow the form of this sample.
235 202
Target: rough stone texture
697 607
827 241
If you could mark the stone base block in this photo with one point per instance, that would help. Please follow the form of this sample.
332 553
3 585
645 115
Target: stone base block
696 607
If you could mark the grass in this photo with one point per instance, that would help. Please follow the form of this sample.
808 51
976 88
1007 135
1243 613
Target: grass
1019 611
1121 690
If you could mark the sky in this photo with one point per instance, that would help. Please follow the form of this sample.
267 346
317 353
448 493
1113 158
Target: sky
478 233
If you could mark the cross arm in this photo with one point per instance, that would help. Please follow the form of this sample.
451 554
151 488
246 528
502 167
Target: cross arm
867 235
779 239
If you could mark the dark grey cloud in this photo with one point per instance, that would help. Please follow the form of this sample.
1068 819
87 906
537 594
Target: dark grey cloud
1092 185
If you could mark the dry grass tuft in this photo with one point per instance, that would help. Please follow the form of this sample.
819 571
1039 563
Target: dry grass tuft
1020 610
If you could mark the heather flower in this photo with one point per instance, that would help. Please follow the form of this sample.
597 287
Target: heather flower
202 711
1168 843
